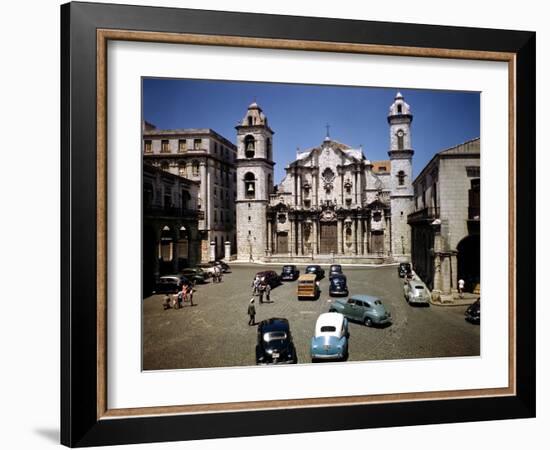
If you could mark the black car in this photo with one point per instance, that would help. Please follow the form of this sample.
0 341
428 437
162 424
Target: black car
290 273
338 285
170 284
317 271
270 277
223 265
473 313
404 269
335 269
275 345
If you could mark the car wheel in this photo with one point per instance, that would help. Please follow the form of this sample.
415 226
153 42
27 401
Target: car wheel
368 322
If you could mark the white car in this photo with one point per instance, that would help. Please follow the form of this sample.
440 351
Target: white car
415 291
331 337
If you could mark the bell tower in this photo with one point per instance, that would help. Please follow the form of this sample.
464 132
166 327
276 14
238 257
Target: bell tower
254 166
401 197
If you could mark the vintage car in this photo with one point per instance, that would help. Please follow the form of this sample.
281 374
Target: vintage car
270 277
338 285
331 338
222 265
289 273
473 313
307 287
404 269
335 269
208 268
416 292
362 308
170 284
318 271
195 274
274 343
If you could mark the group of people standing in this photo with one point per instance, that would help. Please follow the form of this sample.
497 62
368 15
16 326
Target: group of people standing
177 300
259 289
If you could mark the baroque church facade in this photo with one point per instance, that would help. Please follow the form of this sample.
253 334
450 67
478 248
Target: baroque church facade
333 204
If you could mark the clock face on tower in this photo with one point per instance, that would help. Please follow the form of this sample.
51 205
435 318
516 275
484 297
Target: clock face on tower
400 133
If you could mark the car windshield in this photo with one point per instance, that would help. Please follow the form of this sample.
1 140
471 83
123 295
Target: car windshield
307 282
338 281
328 329
311 269
287 269
274 336
377 302
419 287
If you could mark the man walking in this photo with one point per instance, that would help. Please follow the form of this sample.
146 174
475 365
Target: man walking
267 293
252 312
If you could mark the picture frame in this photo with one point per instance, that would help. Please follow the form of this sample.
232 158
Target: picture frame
86 419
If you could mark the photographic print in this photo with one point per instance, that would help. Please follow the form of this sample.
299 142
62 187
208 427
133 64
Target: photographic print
291 223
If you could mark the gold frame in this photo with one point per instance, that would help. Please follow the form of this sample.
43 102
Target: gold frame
104 35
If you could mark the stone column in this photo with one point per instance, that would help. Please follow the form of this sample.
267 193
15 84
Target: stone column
212 251
299 189
360 236
446 274
175 249
299 239
341 173
454 273
204 199
291 249
209 196
315 236
315 183
227 249
339 232
269 237
355 172
354 236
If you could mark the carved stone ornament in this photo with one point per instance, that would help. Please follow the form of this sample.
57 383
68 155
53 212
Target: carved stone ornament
281 218
328 215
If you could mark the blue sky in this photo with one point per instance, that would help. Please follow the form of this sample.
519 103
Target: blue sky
298 114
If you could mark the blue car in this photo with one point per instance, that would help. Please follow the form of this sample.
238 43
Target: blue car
331 338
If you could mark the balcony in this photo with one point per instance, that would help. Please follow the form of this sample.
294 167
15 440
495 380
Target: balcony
423 215
173 212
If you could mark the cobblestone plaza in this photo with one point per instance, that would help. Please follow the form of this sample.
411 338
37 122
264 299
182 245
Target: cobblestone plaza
214 333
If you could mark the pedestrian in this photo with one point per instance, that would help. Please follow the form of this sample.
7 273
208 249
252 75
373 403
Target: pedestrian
261 290
175 301
190 291
461 288
183 295
267 293
251 312
166 302
255 285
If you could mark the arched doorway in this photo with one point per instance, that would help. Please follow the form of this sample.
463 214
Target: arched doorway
166 250
468 261
150 260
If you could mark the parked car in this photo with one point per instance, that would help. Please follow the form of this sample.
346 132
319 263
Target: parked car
404 269
289 273
170 284
473 313
318 271
208 268
195 274
270 277
335 269
363 308
331 337
307 287
223 265
416 292
274 343
338 285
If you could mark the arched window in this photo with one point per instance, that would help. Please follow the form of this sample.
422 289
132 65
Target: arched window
400 140
249 121
399 109
182 169
165 166
401 177
249 146
196 168
249 185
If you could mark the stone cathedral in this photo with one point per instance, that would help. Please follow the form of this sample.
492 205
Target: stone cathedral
333 205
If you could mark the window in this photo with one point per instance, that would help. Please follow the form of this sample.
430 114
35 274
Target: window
165 146
197 143
182 169
148 147
249 121
399 109
249 146
195 168
249 185
401 178
182 145
165 166
400 141
215 148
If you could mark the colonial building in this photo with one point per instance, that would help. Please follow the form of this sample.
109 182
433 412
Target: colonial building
333 203
171 217
204 156
445 222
